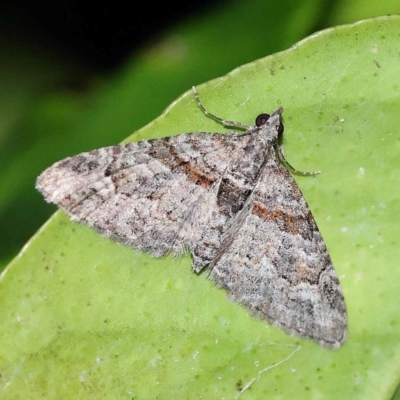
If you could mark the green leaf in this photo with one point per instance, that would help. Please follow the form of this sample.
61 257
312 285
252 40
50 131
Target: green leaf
86 318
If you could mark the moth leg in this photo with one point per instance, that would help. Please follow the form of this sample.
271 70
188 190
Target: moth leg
281 156
214 117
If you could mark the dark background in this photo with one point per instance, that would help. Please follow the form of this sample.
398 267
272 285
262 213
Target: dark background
99 36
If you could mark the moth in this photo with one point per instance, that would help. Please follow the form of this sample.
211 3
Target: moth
227 198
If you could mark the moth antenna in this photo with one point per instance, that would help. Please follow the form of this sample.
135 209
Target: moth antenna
229 124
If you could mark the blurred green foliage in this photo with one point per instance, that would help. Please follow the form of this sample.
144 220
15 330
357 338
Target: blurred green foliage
51 107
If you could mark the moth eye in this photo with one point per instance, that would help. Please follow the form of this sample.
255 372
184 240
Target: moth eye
262 119
280 129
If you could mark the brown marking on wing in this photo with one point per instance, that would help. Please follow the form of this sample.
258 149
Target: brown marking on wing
196 175
292 224
192 170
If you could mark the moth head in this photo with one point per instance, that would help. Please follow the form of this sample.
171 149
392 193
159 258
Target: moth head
276 115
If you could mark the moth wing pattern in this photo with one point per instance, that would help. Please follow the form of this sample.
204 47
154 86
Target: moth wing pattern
227 198
155 195
274 261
